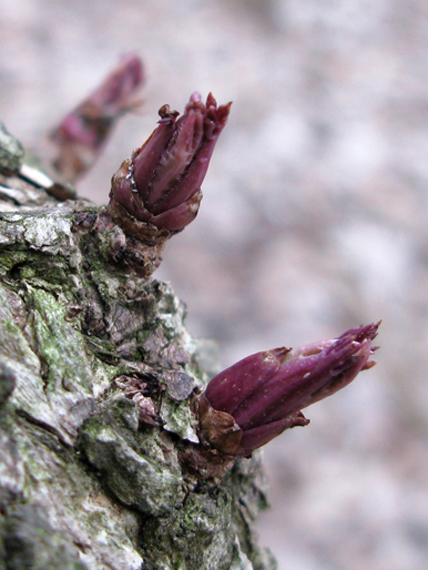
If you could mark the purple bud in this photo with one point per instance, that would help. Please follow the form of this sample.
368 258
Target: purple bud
80 137
161 183
256 399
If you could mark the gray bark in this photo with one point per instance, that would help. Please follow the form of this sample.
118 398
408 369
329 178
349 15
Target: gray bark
100 462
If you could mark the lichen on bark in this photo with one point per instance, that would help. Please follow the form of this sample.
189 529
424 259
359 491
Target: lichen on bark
99 464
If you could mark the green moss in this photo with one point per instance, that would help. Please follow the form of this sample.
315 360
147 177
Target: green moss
141 469
197 536
60 346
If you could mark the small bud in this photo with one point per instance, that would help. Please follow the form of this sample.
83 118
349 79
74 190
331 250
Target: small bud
81 135
256 399
161 182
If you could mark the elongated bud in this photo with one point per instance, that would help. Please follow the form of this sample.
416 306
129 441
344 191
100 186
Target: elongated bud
256 399
81 135
161 184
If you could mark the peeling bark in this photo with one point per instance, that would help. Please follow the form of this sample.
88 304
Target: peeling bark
100 461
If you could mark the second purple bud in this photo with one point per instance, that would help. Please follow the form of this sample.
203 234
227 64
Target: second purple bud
259 397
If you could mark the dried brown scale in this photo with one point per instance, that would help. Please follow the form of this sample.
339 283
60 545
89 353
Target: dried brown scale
204 462
137 390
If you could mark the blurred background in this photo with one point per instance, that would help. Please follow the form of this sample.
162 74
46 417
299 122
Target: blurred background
314 220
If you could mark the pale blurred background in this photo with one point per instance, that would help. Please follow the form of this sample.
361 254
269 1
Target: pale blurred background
314 220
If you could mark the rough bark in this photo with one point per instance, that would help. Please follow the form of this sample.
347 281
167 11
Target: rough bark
100 461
